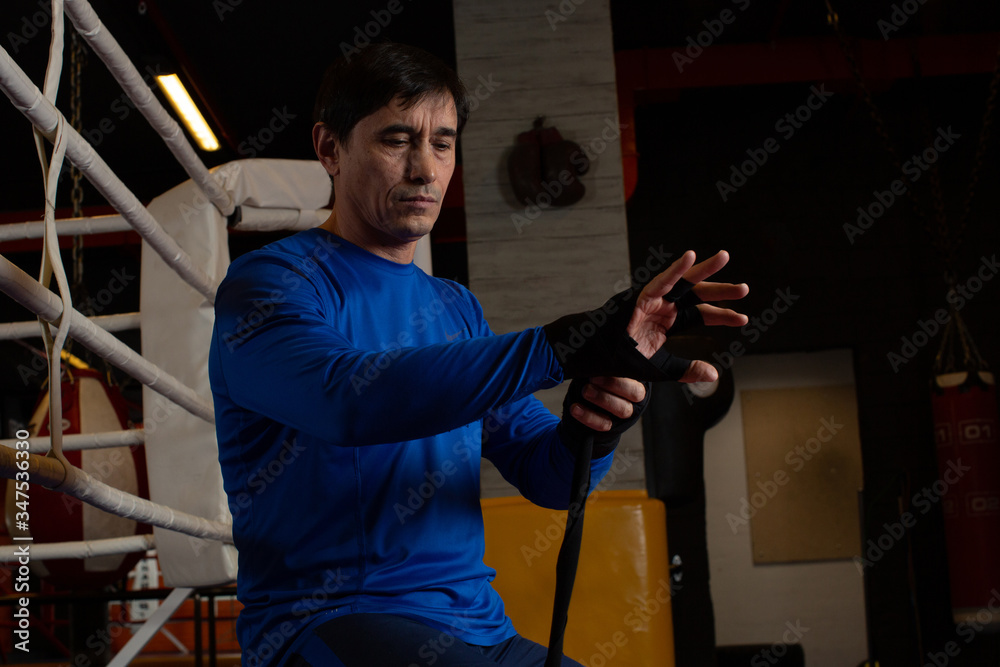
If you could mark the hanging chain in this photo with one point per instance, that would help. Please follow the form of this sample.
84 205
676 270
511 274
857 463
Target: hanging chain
984 140
945 242
833 19
77 56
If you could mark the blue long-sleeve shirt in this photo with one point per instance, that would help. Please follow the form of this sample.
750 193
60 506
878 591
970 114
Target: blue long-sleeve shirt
354 397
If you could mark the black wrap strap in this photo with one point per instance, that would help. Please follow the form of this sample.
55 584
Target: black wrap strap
593 344
687 318
592 444
569 552
681 291
596 343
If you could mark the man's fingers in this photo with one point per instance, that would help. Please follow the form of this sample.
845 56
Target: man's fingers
703 270
609 396
700 371
663 282
724 317
611 403
627 388
721 291
685 268
589 418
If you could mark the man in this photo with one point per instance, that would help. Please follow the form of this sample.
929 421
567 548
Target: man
345 379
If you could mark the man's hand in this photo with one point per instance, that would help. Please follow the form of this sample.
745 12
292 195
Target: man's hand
625 337
613 395
655 315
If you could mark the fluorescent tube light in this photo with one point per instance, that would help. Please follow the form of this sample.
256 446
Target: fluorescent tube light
186 109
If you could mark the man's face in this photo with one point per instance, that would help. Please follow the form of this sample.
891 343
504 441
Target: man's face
392 174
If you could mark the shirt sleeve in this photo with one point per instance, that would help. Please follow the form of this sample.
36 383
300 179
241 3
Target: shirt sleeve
278 355
521 440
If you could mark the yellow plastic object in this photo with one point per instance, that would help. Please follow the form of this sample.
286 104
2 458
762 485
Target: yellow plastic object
620 612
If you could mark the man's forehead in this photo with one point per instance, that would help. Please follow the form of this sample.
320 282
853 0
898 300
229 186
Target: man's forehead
436 108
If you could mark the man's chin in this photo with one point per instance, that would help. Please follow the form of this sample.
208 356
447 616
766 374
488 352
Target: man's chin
416 227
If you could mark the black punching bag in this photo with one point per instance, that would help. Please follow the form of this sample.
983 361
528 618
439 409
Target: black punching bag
674 441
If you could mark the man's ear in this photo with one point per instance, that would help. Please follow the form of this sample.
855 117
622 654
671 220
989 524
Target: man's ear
327 148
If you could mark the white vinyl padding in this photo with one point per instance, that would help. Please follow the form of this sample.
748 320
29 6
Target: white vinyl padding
181 449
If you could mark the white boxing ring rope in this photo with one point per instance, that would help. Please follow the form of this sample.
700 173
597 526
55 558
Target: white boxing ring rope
99 224
100 39
253 219
20 286
29 328
27 99
81 549
271 219
78 442
51 473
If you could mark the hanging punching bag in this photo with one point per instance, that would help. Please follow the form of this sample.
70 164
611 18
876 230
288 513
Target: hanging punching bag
964 405
968 453
90 405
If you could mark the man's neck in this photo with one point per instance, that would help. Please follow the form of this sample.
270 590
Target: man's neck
371 240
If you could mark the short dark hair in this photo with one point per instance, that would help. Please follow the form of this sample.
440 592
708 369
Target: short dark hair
359 85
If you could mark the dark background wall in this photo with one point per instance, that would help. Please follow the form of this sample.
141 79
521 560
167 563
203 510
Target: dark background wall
784 229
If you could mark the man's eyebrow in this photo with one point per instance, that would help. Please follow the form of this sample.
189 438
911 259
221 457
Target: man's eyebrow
399 128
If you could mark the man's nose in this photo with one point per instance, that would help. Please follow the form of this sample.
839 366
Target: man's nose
421 164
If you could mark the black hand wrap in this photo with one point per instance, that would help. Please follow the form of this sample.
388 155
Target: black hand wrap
573 432
596 343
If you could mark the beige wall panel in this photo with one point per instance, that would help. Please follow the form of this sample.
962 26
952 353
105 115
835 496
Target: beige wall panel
566 260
